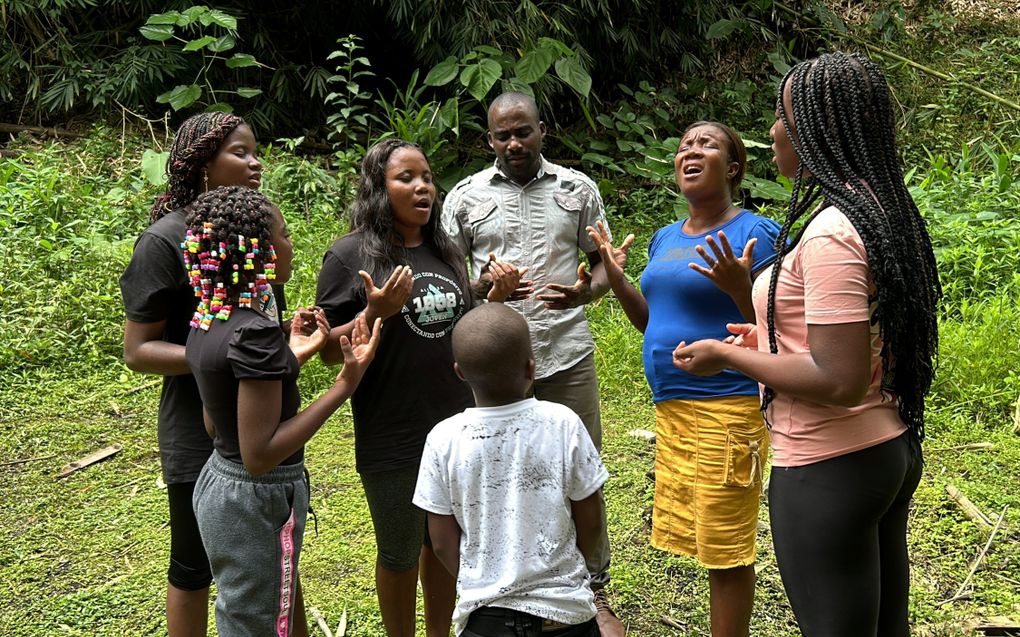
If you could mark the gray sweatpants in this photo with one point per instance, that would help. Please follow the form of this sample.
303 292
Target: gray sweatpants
252 529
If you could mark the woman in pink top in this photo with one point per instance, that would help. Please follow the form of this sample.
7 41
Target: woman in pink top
844 346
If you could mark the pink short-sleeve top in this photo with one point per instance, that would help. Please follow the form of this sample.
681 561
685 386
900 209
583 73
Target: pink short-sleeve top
825 280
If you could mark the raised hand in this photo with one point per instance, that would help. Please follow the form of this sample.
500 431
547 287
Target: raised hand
563 297
730 273
359 350
386 301
614 259
309 330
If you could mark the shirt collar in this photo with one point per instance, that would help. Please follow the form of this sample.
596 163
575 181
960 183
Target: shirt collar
544 169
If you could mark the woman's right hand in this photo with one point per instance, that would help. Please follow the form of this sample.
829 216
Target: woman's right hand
613 259
386 301
359 350
744 335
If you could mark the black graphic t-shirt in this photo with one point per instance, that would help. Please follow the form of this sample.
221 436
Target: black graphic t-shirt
251 346
410 385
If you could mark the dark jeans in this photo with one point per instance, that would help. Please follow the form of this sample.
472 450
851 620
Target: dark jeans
491 621
839 527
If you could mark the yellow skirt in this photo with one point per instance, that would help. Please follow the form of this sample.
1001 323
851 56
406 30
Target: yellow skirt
709 457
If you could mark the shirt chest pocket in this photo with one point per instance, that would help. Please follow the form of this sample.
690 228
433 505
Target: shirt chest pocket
484 220
564 225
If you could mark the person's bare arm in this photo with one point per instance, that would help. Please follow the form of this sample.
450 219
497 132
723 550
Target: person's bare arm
145 350
587 515
264 441
836 370
444 532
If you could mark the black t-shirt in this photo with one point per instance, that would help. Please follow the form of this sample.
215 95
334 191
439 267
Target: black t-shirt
410 384
155 288
249 345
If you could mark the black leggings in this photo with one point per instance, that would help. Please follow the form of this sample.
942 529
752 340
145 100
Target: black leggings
189 566
840 532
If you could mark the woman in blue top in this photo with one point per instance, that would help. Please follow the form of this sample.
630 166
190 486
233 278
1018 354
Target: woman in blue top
710 438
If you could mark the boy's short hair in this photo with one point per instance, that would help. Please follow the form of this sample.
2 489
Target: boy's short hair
490 344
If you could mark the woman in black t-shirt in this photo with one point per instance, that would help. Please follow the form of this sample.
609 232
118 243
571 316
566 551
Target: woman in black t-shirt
209 150
395 237
251 499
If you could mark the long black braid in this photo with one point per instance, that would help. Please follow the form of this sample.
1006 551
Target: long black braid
382 246
845 138
195 143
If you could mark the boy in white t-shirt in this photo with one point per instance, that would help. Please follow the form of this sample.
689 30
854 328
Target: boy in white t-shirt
511 488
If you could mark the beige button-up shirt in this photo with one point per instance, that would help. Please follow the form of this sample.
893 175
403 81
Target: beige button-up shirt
541 226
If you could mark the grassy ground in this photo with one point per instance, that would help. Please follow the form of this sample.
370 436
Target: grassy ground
86 555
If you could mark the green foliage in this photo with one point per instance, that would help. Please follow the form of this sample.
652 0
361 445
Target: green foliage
970 204
347 101
190 28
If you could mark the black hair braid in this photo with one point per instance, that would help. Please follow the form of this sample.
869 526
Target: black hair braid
195 143
382 246
232 211
846 130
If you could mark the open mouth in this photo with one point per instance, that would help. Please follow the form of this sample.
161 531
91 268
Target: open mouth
423 205
255 179
692 170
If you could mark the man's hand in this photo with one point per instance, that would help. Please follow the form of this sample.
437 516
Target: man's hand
564 297
508 278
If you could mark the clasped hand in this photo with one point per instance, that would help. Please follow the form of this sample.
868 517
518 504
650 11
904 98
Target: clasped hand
709 357
507 281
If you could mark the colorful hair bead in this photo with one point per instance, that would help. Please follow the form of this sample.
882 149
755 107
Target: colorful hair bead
254 246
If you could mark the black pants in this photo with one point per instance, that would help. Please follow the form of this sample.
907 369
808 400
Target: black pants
491 621
840 532
189 565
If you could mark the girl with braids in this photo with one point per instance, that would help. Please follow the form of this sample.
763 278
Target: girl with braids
845 342
209 150
396 237
710 438
251 499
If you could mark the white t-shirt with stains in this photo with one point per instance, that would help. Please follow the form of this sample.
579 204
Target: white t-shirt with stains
508 475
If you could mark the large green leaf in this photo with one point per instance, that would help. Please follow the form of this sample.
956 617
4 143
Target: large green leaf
191 14
534 64
241 60
181 96
246 92
157 32
215 16
570 71
442 73
722 28
200 43
154 166
224 43
170 17
479 78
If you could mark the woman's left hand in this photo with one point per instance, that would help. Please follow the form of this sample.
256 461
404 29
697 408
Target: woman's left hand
730 273
309 330
703 358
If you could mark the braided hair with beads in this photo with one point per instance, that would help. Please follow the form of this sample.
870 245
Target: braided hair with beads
843 131
195 143
228 251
